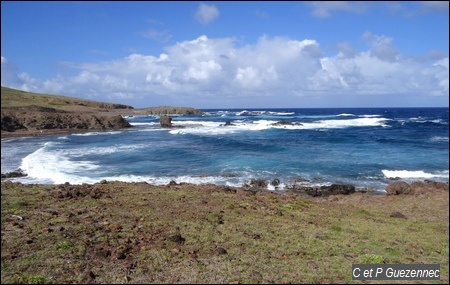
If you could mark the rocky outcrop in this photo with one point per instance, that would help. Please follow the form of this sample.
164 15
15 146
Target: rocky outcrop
16 173
415 188
286 123
227 124
37 119
165 121
313 191
323 191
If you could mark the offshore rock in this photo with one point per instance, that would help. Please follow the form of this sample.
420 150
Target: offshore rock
287 123
165 121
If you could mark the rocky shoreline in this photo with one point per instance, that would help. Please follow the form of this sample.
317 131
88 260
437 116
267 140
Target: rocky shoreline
415 188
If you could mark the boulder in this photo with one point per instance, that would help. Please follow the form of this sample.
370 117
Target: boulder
397 188
416 188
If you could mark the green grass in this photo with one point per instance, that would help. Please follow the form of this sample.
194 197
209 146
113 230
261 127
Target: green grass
15 98
125 235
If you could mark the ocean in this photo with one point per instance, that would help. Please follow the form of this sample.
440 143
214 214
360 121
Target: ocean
365 147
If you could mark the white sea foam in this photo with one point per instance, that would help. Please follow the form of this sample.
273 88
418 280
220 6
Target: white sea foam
337 124
370 116
439 139
145 124
55 167
217 128
345 115
96 133
67 165
413 174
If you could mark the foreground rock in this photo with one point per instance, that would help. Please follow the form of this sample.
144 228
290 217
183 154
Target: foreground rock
323 191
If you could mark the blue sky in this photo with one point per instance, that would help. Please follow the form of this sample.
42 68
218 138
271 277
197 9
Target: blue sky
230 54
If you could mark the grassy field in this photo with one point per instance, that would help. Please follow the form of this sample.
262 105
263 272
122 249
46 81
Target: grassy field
114 232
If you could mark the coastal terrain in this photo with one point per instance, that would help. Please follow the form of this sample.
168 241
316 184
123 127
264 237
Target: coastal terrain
25 113
117 232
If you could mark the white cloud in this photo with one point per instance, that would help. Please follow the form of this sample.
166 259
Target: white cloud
441 73
381 47
205 14
323 9
278 69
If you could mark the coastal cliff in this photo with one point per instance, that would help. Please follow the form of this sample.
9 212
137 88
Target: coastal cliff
39 119
25 113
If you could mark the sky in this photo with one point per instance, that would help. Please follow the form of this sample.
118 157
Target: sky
230 54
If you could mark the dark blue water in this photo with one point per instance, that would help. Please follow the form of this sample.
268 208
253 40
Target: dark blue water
365 147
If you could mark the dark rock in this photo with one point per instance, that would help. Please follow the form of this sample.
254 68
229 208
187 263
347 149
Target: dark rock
165 121
286 123
322 191
257 183
177 238
16 173
275 182
11 124
228 123
343 189
221 250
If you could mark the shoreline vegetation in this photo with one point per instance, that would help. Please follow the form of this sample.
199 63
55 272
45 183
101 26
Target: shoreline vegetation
118 232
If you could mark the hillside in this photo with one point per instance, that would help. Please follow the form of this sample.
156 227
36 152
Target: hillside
26 113
17 98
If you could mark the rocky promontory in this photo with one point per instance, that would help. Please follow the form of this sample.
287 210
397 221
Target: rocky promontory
25 113
41 119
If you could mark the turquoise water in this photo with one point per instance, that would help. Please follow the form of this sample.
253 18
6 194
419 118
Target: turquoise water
364 147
